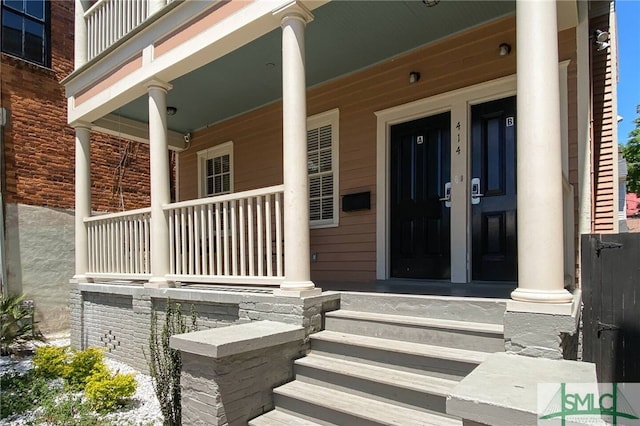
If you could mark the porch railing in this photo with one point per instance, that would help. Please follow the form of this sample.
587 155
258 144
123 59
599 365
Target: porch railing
119 245
110 20
233 238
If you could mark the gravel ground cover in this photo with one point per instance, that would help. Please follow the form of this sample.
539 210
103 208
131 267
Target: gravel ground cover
142 410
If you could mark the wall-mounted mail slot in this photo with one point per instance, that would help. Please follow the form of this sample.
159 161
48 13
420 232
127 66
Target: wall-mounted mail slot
358 201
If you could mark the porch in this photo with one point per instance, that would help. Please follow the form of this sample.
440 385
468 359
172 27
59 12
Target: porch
259 236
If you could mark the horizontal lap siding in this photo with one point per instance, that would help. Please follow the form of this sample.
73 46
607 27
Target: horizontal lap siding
604 147
347 253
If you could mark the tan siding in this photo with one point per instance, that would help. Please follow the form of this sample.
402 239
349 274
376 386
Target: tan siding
347 253
604 147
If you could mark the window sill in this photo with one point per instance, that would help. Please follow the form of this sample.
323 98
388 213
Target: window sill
25 62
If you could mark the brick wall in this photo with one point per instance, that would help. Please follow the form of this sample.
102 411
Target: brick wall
39 146
118 317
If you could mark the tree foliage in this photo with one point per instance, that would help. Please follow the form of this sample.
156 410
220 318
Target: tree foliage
631 153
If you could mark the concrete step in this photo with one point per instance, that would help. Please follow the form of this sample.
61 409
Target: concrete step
439 361
281 418
474 309
418 391
342 408
478 336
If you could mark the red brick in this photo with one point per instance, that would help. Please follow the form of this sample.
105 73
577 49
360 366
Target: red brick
39 145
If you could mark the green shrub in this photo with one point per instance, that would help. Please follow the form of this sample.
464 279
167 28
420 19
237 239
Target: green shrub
83 365
16 323
52 362
107 392
165 363
68 410
22 392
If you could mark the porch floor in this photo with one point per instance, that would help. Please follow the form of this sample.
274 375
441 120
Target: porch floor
490 289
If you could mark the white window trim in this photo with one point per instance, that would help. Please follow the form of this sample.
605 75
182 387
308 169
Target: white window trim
331 117
205 154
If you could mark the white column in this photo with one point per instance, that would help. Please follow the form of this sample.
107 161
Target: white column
539 168
83 199
159 173
80 33
296 193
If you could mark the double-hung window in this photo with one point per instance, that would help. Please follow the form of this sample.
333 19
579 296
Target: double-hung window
215 169
25 30
322 166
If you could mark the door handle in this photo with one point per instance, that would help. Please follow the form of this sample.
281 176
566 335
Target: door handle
447 195
475 191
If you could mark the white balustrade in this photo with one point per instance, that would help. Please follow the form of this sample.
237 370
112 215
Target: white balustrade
110 20
118 245
229 239
232 238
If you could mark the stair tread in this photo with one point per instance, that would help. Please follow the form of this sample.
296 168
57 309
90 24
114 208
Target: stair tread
414 381
418 321
420 349
365 408
280 418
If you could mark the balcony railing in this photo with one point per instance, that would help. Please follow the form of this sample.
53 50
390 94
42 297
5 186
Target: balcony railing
110 20
232 239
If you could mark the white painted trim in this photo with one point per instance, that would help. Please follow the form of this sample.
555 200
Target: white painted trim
177 177
225 279
231 33
122 127
225 148
564 117
451 101
567 188
331 117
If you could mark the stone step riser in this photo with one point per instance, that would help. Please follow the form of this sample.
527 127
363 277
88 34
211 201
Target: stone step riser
317 410
453 308
369 387
437 367
461 339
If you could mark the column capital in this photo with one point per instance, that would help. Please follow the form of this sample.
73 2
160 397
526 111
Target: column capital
293 10
81 125
155 83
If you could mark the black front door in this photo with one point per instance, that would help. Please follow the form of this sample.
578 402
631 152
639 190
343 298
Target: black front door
493 166
420 221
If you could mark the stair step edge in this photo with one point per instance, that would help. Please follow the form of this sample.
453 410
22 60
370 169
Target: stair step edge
278 417
362 407
418 321
399 346
389 376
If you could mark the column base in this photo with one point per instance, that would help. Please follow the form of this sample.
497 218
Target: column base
159 282
542 296
81 279
297 289
543 330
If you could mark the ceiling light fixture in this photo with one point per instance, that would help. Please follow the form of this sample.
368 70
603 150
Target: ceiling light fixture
431 3
171 110
414 76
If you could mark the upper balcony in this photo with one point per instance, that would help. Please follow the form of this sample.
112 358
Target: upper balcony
108 21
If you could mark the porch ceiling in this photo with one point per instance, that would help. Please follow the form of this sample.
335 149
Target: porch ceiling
345 36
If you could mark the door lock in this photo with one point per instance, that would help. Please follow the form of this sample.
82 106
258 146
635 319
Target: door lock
475 191
447 195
